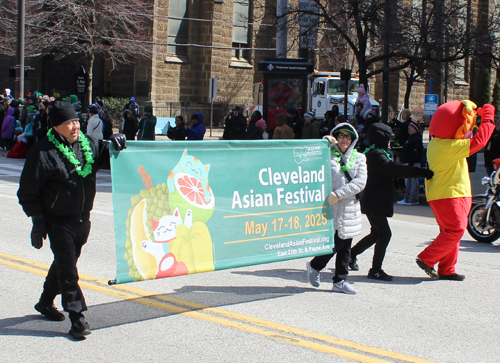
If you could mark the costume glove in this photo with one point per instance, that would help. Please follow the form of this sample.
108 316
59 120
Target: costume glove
331 140
429 174
39 231
487 112
119 140
333 198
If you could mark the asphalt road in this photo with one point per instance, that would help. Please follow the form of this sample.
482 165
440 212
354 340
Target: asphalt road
265 313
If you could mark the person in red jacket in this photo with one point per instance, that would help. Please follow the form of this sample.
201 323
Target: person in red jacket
449 191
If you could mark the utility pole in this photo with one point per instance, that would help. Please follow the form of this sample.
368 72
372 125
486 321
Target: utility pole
20 50
282 30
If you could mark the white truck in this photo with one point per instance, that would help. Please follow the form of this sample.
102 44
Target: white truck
327 89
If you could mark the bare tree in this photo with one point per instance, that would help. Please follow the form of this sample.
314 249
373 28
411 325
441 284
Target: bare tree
423 36
119 30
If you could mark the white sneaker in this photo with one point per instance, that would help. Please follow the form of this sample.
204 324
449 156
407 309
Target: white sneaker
344 286
312 275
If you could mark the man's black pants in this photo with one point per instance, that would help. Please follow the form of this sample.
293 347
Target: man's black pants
380 236
66 241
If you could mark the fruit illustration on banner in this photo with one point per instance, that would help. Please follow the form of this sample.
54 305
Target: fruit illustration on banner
166 231
190 194
143 264
193 246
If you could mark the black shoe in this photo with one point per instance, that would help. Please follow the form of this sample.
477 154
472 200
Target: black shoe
379 275
427 269
79 328
49 311
353 264
454 277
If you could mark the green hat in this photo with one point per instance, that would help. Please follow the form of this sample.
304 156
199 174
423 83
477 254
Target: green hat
346 127
31 109
148 108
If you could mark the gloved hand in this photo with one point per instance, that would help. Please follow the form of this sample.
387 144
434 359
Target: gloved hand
333 198
119 140
331 140
429 174
39 231
487 112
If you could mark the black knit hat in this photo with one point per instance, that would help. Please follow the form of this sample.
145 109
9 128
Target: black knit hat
379 134
61 112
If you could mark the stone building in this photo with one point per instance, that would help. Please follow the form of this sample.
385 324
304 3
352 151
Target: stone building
196 40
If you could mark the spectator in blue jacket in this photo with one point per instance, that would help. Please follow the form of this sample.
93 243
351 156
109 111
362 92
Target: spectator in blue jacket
195 130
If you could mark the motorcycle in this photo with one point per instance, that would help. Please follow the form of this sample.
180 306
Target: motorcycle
484 217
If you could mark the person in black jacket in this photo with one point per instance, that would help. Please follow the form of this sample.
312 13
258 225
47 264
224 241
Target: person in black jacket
57 189
401 127
129 126
411 154
177 132
295 121
377 202
235 125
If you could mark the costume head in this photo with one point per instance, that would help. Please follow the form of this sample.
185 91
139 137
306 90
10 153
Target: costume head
453 120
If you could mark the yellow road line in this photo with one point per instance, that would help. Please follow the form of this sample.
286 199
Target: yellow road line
145 297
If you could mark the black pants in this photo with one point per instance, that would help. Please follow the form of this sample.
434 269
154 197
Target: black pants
343 250
66 241
380 236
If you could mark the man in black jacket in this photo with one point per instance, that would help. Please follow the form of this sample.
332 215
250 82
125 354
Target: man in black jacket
57 190
295 121
377 202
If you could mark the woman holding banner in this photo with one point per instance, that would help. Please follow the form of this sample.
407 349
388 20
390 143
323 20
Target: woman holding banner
349 176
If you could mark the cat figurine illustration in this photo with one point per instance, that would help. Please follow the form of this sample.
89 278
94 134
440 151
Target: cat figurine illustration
192 166
164 232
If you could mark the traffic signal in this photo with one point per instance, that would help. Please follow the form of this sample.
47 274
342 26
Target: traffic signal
28 72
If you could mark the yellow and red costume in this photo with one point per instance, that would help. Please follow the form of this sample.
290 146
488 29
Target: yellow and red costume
449 191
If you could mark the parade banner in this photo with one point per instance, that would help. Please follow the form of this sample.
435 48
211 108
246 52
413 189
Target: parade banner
183 207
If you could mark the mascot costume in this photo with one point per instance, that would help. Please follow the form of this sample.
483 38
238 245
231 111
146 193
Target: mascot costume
449 191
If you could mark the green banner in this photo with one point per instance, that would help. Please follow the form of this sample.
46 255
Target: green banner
188 207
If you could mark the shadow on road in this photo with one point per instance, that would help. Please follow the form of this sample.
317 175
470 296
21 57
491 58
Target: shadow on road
34 326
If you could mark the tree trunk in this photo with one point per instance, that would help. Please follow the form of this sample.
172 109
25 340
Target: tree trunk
409 84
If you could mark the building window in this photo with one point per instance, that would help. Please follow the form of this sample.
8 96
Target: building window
178 28
241 17
240 52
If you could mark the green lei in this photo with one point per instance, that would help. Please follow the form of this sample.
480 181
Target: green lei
70 155
389 156
350 163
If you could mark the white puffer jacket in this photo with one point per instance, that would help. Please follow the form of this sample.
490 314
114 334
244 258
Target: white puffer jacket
347 211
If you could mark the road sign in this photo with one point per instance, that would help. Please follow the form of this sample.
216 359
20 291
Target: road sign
430 104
